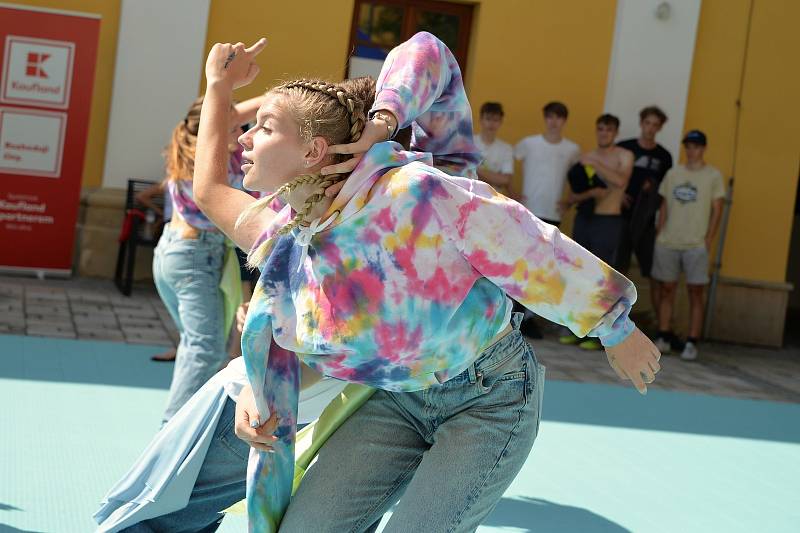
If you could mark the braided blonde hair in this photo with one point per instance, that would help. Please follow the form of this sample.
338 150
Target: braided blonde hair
336 112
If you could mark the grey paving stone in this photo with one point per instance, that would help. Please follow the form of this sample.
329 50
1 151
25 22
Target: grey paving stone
11 290
12 329
97 320
51 331
52 310
140 322
90 308
86 296
100 334
135 312
56 320
13 321
44 293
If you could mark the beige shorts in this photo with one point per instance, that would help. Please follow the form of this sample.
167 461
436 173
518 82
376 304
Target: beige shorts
669 262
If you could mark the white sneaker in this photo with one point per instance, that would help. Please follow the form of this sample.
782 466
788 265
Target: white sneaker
663 345
689 352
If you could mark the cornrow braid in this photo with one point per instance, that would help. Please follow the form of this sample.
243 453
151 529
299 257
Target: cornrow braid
356 115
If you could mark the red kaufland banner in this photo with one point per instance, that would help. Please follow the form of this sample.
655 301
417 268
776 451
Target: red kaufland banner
47 73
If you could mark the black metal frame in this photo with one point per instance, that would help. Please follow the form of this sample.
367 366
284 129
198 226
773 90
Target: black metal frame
126 257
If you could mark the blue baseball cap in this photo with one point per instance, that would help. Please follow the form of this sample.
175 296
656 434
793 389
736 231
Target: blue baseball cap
695 137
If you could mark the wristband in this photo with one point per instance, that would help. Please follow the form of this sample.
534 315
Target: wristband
387 119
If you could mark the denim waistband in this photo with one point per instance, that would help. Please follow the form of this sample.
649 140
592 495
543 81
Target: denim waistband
205 236
494 354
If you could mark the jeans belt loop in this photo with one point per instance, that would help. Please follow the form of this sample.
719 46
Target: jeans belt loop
472 377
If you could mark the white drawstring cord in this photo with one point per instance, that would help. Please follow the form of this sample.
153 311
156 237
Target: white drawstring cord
304 236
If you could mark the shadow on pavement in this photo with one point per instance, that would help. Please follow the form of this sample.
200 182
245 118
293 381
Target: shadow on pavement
542 516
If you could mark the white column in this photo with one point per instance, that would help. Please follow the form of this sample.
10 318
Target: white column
651 64
156 76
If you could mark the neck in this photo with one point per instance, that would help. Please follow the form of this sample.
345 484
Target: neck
647 144
488 137
552 137
695 165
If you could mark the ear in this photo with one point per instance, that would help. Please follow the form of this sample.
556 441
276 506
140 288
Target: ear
317 150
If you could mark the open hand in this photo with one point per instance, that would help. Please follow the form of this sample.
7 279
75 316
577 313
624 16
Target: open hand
635 359
375 130
233 63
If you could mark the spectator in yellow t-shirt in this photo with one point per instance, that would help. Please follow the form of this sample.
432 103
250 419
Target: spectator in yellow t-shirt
690 214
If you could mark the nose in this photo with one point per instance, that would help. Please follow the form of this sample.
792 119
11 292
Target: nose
244 140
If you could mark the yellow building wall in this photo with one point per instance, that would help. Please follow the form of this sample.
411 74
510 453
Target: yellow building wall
303 41
109 10
525 54
765 158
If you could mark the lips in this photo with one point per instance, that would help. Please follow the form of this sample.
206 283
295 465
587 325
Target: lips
246 164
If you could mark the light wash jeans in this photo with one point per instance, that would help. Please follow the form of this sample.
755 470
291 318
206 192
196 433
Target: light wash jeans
453 450
187 274
447 453
220 484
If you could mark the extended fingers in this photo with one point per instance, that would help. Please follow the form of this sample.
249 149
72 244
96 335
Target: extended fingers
256 47
334 189
341 168
350 148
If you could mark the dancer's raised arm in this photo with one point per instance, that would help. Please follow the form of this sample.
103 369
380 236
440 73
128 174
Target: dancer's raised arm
420 86
228 67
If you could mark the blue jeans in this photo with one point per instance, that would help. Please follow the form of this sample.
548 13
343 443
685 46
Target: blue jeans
453 449
448 453
220 484
187 274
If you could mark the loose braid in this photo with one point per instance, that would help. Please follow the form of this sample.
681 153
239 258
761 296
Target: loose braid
355 111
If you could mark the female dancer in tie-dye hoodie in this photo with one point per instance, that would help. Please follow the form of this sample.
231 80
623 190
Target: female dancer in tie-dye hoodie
400 282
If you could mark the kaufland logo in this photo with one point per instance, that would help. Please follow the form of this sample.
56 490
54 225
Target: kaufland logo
37 72
34 67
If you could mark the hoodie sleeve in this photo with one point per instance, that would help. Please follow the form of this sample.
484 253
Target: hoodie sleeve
533 262
420 83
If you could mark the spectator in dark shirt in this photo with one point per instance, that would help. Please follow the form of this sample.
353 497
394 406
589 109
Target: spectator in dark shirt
651 161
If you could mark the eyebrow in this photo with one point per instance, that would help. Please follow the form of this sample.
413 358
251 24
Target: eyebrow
264 116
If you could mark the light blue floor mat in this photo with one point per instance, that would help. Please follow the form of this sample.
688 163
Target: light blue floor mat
75 414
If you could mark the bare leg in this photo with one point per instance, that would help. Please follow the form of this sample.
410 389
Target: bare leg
655 295
666 302
695 310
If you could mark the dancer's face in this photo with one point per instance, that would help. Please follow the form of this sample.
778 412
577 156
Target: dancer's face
273 149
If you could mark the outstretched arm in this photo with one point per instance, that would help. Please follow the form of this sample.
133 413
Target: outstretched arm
227 68
546 272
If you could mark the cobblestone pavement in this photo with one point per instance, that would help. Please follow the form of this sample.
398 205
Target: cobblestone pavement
83 309
94 309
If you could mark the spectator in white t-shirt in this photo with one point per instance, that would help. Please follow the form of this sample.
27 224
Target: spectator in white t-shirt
545 161
497 167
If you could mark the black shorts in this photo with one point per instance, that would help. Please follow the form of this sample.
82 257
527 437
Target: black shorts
600 234
643 248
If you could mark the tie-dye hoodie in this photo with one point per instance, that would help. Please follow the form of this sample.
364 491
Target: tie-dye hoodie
409 281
